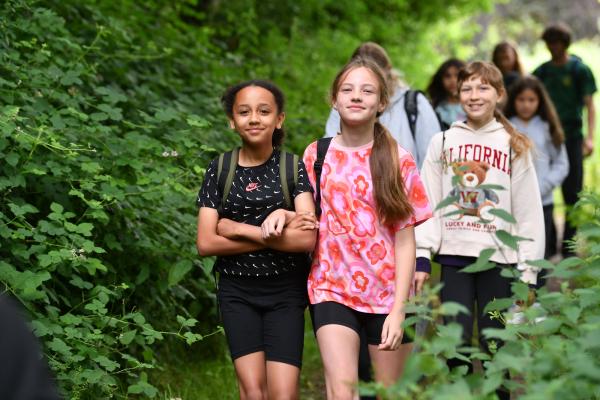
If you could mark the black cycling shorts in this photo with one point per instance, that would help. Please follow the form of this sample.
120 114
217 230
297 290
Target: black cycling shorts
331 312
264 314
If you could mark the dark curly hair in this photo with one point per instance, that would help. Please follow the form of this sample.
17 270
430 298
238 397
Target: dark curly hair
435 90
228 100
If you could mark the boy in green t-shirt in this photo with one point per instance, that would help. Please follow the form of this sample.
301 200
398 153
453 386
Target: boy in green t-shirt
571 86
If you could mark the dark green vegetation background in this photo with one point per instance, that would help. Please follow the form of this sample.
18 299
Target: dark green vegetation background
109 113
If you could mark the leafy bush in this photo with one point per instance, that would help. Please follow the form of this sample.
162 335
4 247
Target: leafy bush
554 354
103 151
109 113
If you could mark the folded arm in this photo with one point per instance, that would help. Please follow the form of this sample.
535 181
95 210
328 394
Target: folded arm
210 243
283 230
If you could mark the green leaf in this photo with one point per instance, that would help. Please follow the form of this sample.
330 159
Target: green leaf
19 211
507 239
192 338
178 271
452 309
80 283
446 202
12 159
498 305
109 365
503 214
491 186
91 167
70 77
570 262
166 114
85 228
127 337
143 387
99 116
113 113
59 346
483 262
197 121
57 208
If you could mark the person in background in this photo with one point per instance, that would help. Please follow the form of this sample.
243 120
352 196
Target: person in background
531 111
506 57
395 117
443 94
571 86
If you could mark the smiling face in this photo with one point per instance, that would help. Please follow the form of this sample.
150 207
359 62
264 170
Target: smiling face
526 104
255 115
357 98
479 100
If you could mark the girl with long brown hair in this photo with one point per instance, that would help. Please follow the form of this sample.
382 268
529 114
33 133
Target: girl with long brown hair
506 57
363 265
483 171
532 112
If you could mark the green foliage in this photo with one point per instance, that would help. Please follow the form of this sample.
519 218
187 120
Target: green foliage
102 155
553 354
109 116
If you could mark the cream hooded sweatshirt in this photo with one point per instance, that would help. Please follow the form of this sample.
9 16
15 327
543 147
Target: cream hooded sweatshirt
474 167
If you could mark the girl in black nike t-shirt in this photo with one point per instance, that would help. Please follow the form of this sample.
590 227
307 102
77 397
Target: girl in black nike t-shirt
261 246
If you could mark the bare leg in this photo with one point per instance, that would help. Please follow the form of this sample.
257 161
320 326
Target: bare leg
389 365
283 381
339 351
251 375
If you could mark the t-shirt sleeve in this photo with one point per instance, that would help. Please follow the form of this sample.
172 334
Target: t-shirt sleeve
415 191
308 160
303 184
209 194
589 83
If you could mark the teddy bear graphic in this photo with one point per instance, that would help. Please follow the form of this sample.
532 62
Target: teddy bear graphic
472 199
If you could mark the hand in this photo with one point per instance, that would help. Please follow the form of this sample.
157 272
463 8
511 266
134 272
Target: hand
588 147
274 223
420 279
228 229
304 221
391 334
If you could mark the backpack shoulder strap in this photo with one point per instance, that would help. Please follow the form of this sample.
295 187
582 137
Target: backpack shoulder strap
288 174
574 68
322 147
412 110
225 174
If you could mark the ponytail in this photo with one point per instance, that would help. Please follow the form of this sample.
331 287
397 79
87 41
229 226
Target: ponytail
519 143
391 200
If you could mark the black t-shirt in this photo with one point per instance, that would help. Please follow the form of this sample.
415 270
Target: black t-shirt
255 193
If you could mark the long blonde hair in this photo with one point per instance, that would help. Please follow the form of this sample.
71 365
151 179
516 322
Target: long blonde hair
490 74
391 201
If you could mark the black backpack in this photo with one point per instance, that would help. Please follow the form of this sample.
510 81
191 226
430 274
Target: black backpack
412 111
288 173
322 147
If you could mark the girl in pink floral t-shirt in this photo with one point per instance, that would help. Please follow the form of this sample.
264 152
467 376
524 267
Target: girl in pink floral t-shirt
371 199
